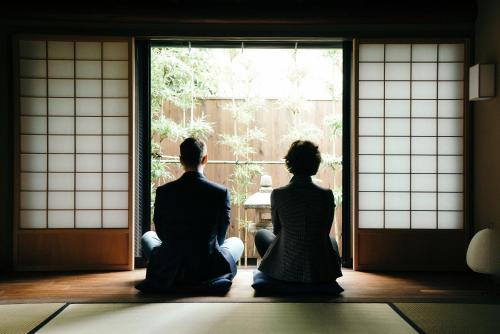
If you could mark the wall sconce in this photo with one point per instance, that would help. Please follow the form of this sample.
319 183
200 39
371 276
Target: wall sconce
481 82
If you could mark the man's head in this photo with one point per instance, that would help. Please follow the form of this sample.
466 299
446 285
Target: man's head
303 158
193 154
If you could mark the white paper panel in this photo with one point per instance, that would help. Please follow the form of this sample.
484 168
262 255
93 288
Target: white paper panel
371 52
33 181
371 219
32 68
423 182
115 200
88 69
423 90
451 71
88 219
61 200
88 88
32 49
88 144
60 50
371 200
59 125
88 107
424 52
61 162
61 87
33 200
371 71
33 106
61 219
424 71
451 108
450 220
61 106
397 89
88 50
88 125
371 89
451 52
423 164
450 182
397 201
423 108
397 108
119 107
115 125
397 182
371 163
450 89
115 219
33 219
450 201
115 51
61 181
33 87
61 69
33 162
450 145
88 181
450 127
115 181
33 144
423 201
397 52
115 69
88 163
423 219
397 163
115 88
371 108
450 164
371 145
397 71
397 145
371 126
34 125
115 163
88 200
115 144
423 145
423 127
397 219
397 127
371 182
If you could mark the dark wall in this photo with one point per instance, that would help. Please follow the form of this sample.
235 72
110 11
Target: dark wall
269 19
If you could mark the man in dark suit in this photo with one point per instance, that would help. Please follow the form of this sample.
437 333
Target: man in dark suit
191 217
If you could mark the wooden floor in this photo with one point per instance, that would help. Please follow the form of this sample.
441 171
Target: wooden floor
359 287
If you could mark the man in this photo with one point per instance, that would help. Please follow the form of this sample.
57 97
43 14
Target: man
191 217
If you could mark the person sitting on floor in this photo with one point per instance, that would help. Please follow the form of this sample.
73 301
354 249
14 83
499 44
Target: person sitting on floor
300 249
191 217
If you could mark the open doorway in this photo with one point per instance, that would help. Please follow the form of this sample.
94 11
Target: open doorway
249 102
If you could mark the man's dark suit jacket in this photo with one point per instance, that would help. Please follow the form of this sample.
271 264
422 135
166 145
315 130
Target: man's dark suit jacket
191 217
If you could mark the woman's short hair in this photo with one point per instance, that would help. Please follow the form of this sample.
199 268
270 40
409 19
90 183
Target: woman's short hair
303 158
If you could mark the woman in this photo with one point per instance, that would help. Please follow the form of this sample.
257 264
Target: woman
300 249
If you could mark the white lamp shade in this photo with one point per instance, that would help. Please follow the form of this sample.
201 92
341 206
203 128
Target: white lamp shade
481 82
483 254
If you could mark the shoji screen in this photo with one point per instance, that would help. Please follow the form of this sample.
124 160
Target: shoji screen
410 139
74 103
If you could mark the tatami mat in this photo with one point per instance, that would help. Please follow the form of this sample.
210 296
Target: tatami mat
234 318
22 318
453 318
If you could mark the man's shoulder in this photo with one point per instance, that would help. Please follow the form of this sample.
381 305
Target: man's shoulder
214 185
